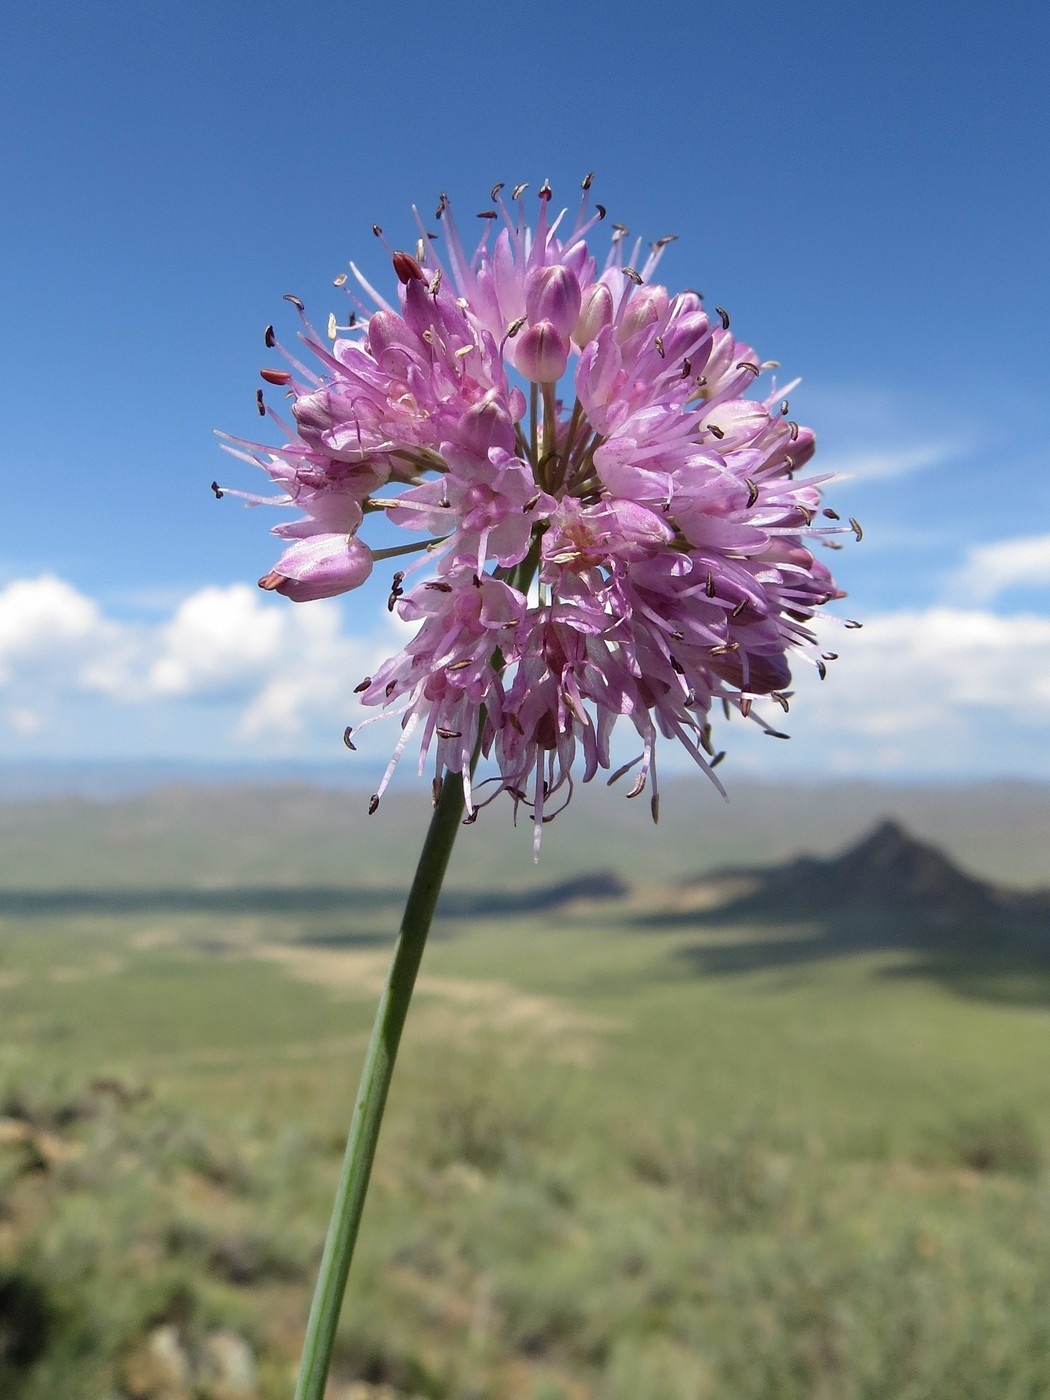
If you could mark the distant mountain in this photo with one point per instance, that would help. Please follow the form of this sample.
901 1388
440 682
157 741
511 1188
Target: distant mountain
888 874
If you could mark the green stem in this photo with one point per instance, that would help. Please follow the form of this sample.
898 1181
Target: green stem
372 1092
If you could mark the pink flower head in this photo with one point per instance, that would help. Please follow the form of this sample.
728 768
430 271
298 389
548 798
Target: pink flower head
616 530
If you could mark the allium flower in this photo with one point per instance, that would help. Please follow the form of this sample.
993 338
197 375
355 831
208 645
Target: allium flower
608 527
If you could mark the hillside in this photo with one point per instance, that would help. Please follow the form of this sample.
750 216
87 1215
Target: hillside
293 834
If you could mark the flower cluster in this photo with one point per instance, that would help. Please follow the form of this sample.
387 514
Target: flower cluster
611 528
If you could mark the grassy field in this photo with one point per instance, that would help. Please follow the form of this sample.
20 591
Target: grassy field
615 1165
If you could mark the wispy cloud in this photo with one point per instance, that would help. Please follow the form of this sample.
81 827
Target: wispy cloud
992 569
880 464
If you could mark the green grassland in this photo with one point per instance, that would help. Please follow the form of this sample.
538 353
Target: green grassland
617 1164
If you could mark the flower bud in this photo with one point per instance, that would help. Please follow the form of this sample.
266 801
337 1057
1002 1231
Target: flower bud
597 313
486 424
541 354
646 307
553 294
319 567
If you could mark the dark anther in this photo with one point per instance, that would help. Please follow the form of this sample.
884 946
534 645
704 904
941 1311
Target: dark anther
777 734
676 666
439 587
360 689
724 315
659 343
654 808
352 321
515 326
389 689
667 238
587 180
781 699
856 529
793 430
531 503
295 301
545 191
494 192
853 626
784 406
377 230
470 818
831 514
822 670
747 364
739 609
407 269
830 655
488 214
601 210
805 512
687 368
717 759
745 705
269 338
715 431
449 733
475 581
216 488
442 205
276 376
709 587
752 491
347 739
373 805
634 275
519 190
259 403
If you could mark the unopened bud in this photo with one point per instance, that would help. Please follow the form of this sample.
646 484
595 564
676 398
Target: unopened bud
645 308
597 313
407 269
541 354
553 294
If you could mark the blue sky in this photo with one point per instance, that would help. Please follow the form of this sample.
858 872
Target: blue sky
864 187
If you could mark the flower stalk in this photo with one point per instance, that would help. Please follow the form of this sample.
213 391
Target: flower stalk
373 1089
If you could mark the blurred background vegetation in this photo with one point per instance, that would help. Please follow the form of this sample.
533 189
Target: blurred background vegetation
658 1131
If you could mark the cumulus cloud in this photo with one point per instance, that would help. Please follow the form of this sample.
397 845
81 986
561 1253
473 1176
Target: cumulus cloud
937 690
991 569
278 665
927 691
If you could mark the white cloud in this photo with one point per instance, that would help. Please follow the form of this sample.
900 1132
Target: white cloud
990 569
24 721
46 620
277 664
879 464
937 690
